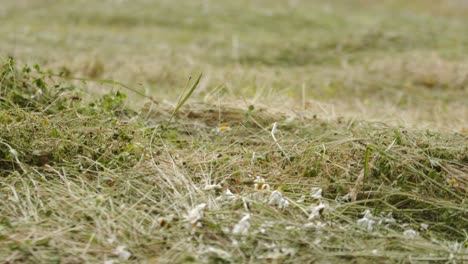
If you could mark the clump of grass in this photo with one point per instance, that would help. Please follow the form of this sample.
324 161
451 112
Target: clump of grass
92 180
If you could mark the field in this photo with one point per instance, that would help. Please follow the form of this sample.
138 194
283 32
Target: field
233 131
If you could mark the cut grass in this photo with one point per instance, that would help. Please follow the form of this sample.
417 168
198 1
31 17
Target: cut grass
361 102
90 175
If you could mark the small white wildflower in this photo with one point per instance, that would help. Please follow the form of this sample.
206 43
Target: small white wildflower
229 193
389 218
13 152
289 119
315 224
275 254
368 214
271 245
375 251
242 228
223 128
111 239
260 184
302 199
316 193
266 226
316 210
424 226
217 252
210 187
289 251
195 214
276 198
121 252
165 222
344 198
410 234
37 93
227 196
455 247
366 221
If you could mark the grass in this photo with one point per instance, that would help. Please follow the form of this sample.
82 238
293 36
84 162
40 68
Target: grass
364 101
353 55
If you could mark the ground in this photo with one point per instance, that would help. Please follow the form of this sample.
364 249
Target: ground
318 132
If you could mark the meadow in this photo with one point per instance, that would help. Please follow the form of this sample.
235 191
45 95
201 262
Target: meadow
233 131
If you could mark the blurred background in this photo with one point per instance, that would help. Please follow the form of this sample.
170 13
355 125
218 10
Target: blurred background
395 61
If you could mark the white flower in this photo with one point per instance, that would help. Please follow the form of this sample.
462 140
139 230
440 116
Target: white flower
302 199
242 228
316 224
223 128
316 210
410 234
111 239
229 193
260 184
274 252
121 252
289 251
165 222
389 218
210 187
37 93
344 198
424 226
217 252
273 255
367 221
195 214
289 119
227 196
271 245
276 198
316 193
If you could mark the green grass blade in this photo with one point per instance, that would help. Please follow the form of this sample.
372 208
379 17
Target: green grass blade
187 96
